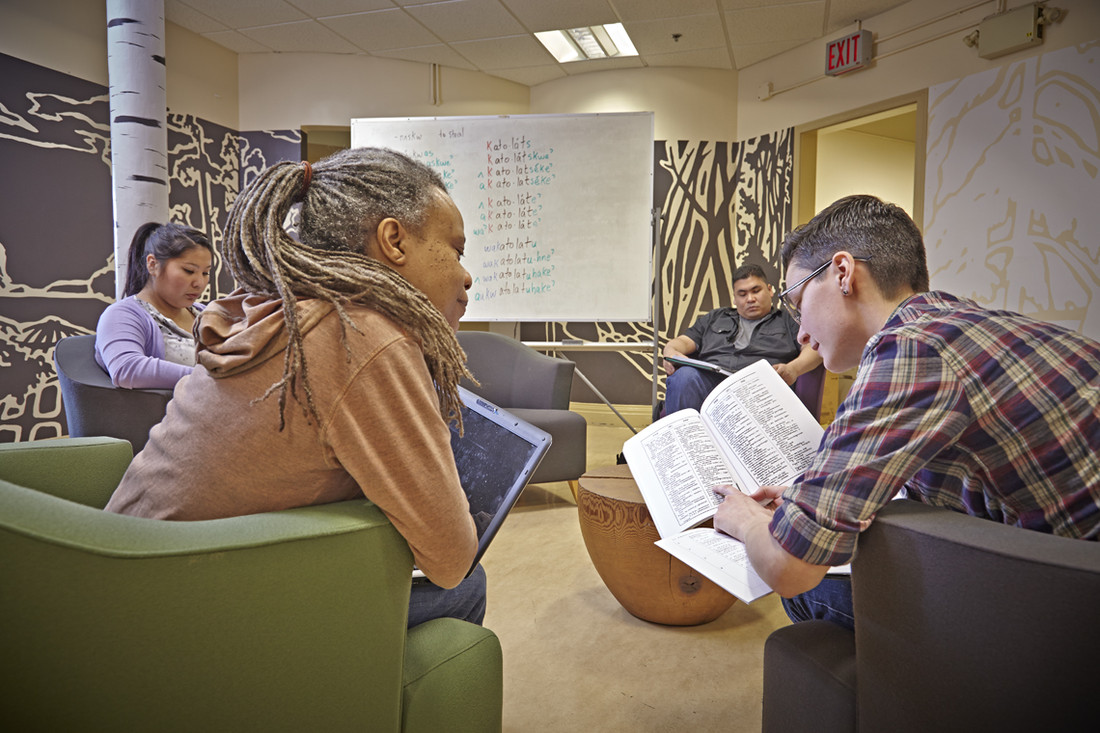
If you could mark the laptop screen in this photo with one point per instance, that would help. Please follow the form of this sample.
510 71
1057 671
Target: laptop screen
496 457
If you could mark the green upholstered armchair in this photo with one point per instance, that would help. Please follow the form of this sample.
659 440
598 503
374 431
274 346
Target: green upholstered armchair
292 620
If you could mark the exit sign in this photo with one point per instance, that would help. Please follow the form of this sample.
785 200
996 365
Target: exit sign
848 53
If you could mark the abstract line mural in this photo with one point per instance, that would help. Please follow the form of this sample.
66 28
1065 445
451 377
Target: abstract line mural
56 243
1012 185
722 205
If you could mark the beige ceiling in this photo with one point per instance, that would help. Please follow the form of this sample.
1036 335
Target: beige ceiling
497 36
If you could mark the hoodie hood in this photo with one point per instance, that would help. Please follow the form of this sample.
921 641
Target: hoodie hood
242 330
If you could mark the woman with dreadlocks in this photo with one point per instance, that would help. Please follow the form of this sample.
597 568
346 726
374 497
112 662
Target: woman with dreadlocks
330 373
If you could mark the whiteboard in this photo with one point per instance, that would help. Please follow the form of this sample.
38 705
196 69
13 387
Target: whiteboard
557 208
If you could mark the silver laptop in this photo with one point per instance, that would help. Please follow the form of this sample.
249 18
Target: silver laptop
496 456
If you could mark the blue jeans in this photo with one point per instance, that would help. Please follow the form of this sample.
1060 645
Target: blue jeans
831 600
465 601
688 387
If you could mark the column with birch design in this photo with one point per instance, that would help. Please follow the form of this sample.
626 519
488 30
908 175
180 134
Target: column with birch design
139 108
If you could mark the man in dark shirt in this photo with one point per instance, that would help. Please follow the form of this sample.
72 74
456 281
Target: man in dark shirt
733 338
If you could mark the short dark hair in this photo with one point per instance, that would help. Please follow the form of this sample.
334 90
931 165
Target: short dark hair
866 227
749 270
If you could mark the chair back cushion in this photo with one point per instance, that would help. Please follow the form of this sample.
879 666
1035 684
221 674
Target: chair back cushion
94 406
513 375
809 388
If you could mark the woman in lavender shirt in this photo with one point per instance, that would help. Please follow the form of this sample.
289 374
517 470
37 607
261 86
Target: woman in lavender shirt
144 341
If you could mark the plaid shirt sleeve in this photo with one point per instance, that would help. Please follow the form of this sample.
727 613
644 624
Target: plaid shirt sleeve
905 407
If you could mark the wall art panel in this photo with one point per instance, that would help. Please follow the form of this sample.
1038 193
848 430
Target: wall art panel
1012 193
56 242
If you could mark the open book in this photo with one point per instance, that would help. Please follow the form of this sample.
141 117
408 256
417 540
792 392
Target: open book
752 431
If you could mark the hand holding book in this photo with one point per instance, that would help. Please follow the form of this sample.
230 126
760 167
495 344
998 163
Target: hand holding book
752 432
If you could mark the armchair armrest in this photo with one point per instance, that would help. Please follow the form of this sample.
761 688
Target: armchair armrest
967 623
138 623
84 470
447 663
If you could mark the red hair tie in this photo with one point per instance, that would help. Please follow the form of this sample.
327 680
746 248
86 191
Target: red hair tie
307 176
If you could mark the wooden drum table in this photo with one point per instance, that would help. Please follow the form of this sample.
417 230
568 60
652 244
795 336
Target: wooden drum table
619 534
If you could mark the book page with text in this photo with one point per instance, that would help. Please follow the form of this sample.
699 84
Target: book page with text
762 427
676 465
720 558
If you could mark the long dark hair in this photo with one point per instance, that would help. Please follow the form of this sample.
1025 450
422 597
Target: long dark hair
163 241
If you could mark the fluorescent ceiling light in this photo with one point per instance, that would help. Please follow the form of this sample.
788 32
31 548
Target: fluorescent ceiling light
621 39
560 46
595 42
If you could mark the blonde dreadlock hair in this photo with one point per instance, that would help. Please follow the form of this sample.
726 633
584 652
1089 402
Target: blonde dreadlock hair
346 197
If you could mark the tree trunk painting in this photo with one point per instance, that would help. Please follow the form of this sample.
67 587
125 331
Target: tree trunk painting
139 137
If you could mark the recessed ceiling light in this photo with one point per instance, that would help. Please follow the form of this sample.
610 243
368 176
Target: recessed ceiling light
590 42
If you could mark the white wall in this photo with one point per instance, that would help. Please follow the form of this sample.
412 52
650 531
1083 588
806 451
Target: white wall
850 162
687 104
201 77
70 36
895 71
65 35
288 90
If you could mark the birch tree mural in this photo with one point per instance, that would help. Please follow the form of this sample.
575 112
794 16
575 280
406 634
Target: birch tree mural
139 107
57 271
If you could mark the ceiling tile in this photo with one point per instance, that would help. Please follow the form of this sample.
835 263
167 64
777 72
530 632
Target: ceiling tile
247 13
544 15
307 36
236 42
802 22
466 20
381 30
751 53
657 9
325 8
512 52
844 13
706 58
435 54
696 32
531 75
584 67
184 15
746 4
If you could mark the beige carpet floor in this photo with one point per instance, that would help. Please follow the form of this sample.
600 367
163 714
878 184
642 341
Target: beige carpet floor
575 660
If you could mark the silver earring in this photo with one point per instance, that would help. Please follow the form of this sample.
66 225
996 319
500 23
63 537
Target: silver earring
845 291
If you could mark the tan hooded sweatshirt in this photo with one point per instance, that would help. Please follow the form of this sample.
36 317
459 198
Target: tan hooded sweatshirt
219 452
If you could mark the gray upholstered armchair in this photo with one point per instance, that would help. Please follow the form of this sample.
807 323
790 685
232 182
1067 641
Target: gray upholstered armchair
533 387
94 406
291 620
962 624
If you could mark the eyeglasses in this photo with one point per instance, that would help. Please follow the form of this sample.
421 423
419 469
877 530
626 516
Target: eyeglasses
785 299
